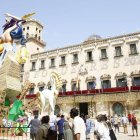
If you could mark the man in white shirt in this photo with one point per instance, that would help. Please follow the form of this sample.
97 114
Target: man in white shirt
78 125
124 122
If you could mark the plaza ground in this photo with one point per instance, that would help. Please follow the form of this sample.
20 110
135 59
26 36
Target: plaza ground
120 135
129 135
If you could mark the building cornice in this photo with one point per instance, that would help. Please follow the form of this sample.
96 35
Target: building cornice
113 39
93 43
40 42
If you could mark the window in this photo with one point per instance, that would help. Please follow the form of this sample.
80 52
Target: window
27 35
39 31
91 85
103 54
118 51
89 56
22 67
52 62
36 36
36 29
23 29
63 89
41 88
106 84
74 87
122 82
21 78
33 65
39 38
27 28
133 49
75 58
63 60
136 81
42 64
31 91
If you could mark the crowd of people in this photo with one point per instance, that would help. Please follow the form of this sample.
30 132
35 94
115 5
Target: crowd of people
75 127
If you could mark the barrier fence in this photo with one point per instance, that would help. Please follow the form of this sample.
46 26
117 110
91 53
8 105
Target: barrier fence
15 133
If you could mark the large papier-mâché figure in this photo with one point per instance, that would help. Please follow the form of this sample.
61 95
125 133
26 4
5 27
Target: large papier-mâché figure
12 32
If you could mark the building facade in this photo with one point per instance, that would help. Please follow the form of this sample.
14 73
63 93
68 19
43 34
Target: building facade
100 75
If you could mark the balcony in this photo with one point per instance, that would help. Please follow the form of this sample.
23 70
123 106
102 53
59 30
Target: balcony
80 92
115 89
94 91
135 88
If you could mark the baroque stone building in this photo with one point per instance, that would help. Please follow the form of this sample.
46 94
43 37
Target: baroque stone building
100 75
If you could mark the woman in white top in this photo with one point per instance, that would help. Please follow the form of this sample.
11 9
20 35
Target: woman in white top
102 129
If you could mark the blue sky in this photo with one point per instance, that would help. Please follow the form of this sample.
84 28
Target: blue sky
70 22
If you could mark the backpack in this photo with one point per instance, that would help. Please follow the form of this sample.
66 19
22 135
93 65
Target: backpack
51 135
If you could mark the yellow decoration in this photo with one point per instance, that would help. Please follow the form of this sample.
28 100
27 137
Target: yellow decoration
1 48
27 16
22 55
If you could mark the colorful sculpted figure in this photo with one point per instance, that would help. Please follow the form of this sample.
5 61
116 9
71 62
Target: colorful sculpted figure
48 97
12 32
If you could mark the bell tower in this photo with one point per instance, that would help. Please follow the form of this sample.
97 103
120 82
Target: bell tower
32 30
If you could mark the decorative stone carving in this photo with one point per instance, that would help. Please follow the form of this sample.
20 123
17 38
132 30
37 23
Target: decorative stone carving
105 76
135 73
120 74
82 70
90 78
41 84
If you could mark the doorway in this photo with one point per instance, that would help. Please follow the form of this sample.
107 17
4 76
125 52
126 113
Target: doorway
83 107
118 108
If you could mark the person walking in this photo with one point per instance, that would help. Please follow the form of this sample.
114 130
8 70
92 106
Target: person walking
129 116
34 123
60 128
78 125
112 120
116 124
43 129
68 131
102 130
124 122
89 127
134 126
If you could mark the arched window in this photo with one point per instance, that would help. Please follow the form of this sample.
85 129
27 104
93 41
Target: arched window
91 85
91 82
135 78
121 80
75 84
31 90
105 81
41 86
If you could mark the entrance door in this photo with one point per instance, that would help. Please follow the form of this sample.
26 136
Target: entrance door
118 108
83 107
